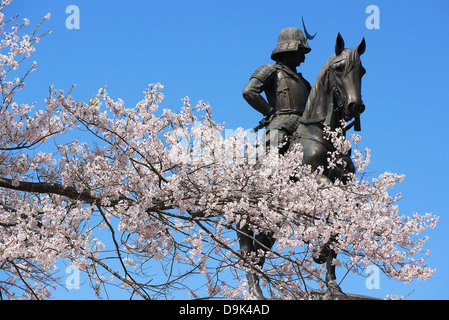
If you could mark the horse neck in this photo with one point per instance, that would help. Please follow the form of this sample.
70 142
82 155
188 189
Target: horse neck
319 97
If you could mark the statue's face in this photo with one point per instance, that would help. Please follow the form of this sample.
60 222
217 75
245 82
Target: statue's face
294 58
300 57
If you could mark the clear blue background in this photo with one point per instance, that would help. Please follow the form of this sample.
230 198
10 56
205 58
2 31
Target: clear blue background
207 50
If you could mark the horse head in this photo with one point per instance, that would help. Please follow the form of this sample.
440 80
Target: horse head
345 73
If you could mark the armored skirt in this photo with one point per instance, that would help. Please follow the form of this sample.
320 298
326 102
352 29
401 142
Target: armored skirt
280 130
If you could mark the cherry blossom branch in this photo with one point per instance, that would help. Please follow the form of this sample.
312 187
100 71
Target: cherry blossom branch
50 188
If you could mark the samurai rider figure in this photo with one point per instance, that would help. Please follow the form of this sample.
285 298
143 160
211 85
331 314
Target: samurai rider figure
287 92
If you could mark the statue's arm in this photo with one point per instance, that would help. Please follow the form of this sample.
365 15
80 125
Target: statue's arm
252 95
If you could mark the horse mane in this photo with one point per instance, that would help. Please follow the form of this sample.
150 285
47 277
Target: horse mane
317 85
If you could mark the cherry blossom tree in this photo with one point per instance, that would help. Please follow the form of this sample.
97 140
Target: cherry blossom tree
148 198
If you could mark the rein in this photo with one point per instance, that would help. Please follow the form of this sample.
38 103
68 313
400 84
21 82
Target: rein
331 109
326 120
336 104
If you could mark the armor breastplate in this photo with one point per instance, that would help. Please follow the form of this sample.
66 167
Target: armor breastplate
289 93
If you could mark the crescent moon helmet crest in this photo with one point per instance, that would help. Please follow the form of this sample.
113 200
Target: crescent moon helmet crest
309 37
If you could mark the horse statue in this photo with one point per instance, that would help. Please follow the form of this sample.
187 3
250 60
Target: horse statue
335 96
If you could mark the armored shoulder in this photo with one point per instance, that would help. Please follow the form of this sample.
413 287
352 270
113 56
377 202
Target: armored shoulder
265 72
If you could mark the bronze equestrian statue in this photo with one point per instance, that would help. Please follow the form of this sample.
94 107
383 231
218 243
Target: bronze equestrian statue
298 113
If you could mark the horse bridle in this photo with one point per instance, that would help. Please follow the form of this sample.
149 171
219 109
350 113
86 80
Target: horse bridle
338 102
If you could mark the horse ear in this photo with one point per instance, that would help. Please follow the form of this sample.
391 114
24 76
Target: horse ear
361 47
339 44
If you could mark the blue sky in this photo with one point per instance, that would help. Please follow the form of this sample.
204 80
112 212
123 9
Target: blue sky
207 50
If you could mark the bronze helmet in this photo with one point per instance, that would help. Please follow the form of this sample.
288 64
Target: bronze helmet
290 39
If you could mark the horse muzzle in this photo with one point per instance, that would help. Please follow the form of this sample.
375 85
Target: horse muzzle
354 109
